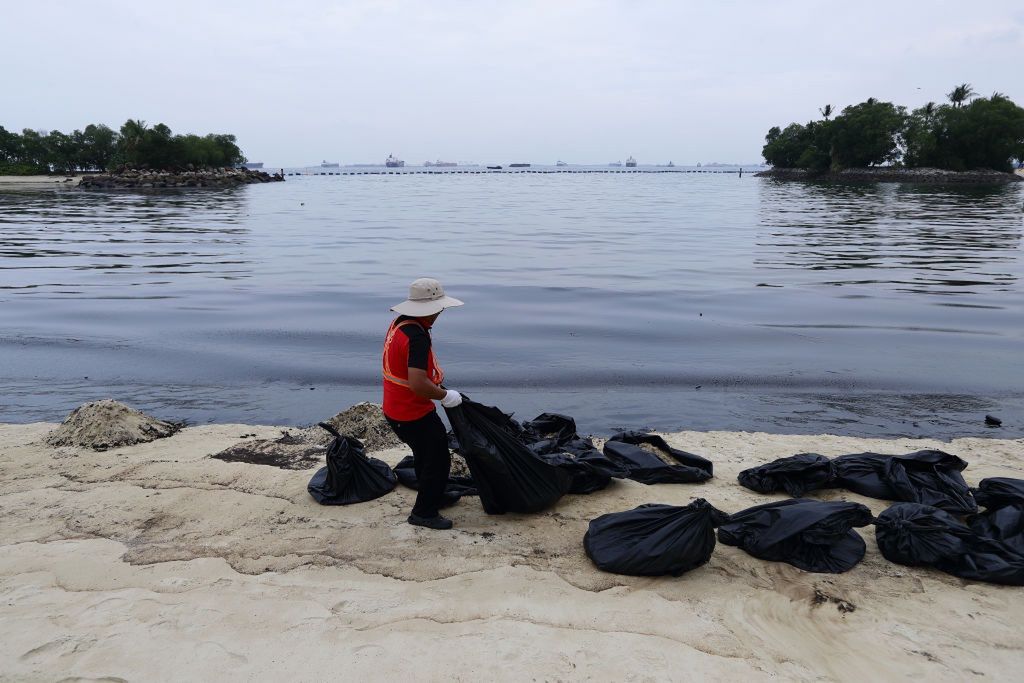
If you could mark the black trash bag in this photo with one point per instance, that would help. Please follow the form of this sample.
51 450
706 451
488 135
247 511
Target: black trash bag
508 475
796 475
929 477
585 477
920 535
653 540
647 468
554 436
995 492
555 427
1003 518
812 535
923 535
1004 524
350 476
457 485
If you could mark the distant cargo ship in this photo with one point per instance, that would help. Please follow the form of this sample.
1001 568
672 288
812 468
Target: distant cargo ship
615 163
440 163
253 165
561 163
519 166
393 162
494 168
630 162
329 164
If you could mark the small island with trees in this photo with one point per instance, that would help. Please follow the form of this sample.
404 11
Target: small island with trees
136 156
969 140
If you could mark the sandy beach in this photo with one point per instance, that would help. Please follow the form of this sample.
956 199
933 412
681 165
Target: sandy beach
156 562
15 181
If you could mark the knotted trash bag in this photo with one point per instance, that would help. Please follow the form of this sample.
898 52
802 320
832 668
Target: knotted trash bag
652 540
995 492
673 466
350 476
508 475
929 477
796 475
457 485
923 535
812 535
1003 517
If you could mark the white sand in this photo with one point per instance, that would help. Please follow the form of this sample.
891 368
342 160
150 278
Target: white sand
155 562
30 180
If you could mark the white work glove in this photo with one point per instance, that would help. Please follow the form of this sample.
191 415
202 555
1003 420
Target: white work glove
451 399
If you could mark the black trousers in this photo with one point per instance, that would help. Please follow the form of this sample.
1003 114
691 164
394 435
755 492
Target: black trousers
432 460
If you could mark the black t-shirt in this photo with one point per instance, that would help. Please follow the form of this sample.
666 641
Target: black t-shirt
419 343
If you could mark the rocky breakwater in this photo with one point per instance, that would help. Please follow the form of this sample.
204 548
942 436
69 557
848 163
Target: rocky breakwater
144 179
884 174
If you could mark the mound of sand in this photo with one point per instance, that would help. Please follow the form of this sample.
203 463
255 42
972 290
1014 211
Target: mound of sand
365 421
100 425
299 449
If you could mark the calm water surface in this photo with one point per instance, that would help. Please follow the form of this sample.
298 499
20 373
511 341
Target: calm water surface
667 301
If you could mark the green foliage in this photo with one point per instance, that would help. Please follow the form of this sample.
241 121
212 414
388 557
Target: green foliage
99 147
967 134
867 134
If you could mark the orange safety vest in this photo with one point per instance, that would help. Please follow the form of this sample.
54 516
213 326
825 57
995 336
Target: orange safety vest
400 403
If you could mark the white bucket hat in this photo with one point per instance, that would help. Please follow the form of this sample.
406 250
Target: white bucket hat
426 297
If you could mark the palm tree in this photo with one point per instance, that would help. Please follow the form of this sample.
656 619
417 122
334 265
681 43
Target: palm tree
961 94
826 111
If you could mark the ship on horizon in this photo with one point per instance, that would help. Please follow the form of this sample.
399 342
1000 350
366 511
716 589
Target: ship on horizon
560 163
393 162
329 164
630 162
439 163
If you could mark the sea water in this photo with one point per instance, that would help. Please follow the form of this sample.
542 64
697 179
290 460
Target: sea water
667 300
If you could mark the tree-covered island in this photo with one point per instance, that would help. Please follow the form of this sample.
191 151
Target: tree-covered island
100 148
967 134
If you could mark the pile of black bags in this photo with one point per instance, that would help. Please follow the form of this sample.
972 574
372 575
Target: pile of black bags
350 476
509 476
989 546
652 540
929 477
527 467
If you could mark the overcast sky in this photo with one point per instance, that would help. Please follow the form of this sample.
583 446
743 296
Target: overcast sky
503 81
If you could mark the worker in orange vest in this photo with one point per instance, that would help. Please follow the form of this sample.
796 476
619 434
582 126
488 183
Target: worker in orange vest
412 381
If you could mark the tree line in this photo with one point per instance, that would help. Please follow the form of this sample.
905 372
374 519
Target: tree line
98 147
969 132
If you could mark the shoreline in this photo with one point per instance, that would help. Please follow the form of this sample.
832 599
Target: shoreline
33 180
145 179
928 176
164 562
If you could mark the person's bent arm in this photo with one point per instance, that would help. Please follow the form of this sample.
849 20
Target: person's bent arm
420 384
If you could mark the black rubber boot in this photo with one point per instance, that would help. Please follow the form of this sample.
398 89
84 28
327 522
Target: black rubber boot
437 522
